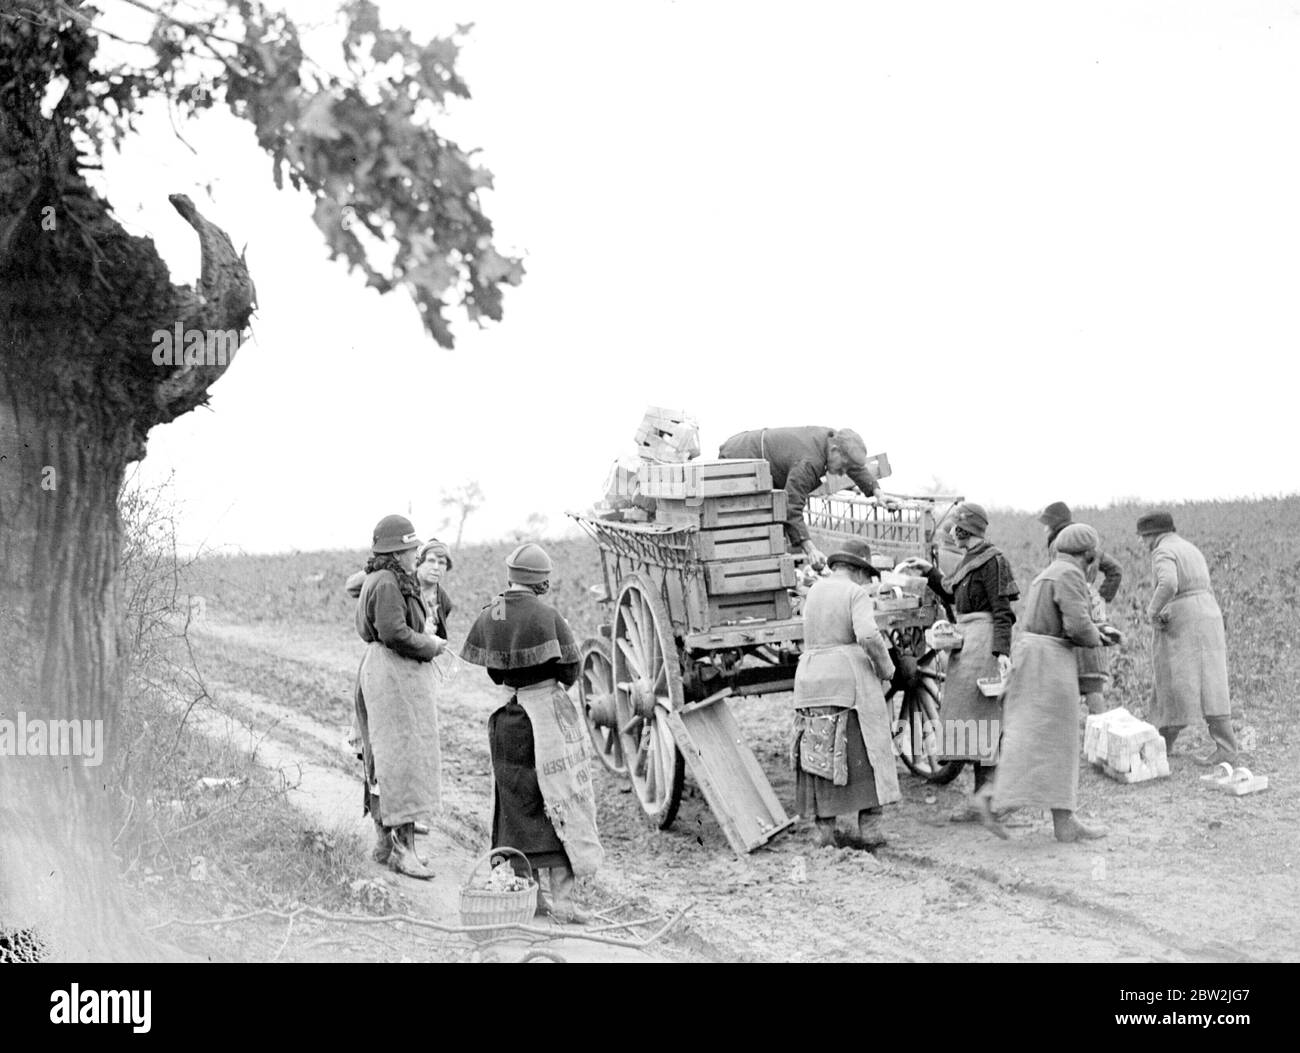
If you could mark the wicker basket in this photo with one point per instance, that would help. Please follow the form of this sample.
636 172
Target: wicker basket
482 906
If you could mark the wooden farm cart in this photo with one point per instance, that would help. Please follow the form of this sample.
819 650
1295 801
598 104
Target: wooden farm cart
654 685
899 526
686 633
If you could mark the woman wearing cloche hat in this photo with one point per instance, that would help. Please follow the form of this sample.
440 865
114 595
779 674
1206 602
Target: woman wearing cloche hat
396 698
980 590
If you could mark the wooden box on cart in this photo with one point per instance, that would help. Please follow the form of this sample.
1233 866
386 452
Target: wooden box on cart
700 479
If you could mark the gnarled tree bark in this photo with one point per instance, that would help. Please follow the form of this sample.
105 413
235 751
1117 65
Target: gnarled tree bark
79 391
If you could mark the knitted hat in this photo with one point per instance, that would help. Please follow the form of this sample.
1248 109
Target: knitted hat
854 552
529 564
1055 515
431 549
1156 523
1077 539
393 534
971 518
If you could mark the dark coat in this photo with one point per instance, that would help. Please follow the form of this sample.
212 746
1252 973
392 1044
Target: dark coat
394 620
990 587
798 460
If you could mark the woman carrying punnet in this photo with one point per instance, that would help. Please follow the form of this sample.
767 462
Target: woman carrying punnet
396 700
980 590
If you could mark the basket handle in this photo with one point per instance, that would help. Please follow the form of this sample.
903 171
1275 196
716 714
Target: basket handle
503 848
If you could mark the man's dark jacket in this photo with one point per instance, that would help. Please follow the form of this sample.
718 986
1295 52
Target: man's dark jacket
798 460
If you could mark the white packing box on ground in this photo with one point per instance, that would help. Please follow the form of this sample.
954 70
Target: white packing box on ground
1125 748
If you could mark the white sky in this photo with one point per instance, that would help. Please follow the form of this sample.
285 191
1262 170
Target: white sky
1039 251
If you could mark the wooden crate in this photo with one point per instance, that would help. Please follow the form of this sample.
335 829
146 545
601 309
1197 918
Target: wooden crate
749 575
668 435
725 768
702 479
722 512
772 605
746 542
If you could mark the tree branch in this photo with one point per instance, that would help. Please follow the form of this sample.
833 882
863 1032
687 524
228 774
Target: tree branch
224 301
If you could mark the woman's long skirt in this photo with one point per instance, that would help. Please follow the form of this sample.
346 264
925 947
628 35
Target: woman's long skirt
817 797
518 812
1040 744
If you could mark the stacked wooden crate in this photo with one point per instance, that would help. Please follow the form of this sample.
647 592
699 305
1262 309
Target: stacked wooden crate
741 539
668 435
1125 748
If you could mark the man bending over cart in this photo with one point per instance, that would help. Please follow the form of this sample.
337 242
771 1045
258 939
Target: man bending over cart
801 458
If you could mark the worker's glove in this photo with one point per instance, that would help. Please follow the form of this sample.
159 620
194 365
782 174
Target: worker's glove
1004 666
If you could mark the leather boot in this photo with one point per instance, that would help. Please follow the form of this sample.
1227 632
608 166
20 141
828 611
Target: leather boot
984 804
383 845
1225 743
1068 828
1169 734
824 832
563 908
869 836
402 858
970 812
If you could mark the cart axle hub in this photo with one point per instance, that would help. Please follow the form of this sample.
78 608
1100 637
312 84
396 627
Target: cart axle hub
642 697
602 712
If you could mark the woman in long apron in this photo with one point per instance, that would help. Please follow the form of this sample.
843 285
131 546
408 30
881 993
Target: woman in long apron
1189 645
543 802
980 590
842 750
1040 750
396 698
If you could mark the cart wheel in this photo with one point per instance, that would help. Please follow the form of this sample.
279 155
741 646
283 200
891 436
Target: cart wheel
914 697
647 686
596 693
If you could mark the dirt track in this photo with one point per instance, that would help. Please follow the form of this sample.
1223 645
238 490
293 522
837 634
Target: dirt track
1185 875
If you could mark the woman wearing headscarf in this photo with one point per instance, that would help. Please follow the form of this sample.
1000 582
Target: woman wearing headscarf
1040 747
842 750
396 698
543 801
980 590
1103 576
1190 648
